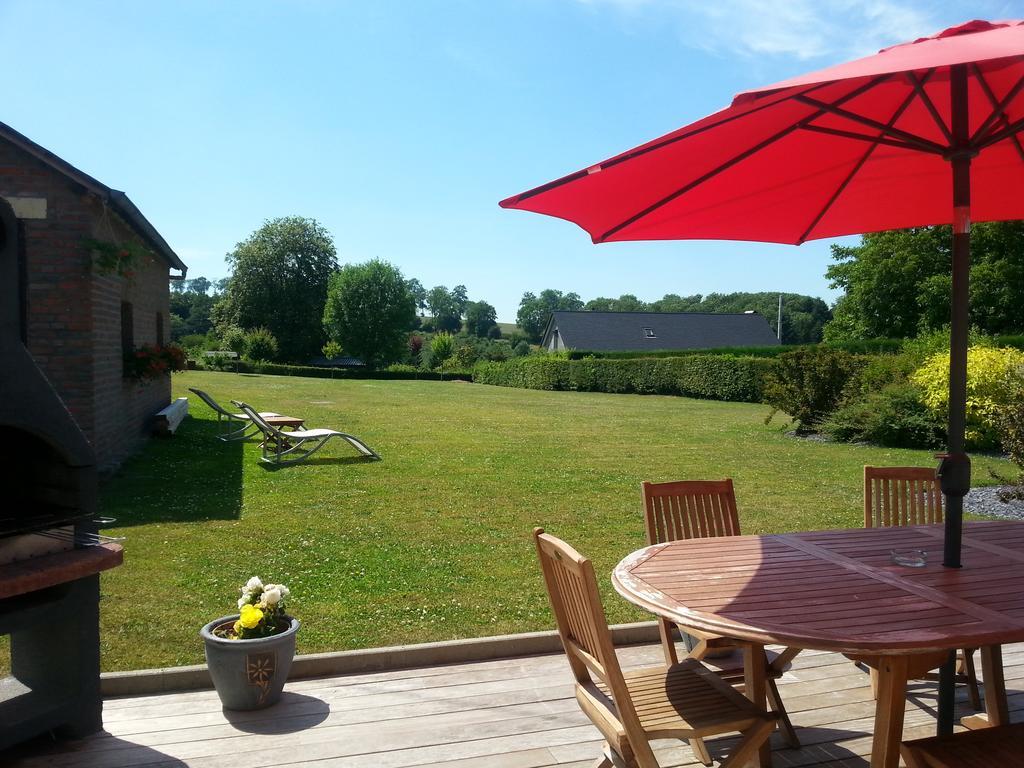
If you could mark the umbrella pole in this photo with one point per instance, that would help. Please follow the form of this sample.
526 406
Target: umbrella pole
955 470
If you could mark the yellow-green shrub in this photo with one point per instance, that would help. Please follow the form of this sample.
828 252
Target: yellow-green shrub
993 375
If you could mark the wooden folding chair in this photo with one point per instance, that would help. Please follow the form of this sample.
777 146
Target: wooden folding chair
681 701
898 496
698 509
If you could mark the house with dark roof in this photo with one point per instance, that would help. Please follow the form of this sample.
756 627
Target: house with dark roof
81 314
639 331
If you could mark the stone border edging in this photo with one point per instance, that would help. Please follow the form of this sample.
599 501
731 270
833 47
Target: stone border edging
196 677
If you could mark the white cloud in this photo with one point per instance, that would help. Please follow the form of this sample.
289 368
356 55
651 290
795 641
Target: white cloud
803 29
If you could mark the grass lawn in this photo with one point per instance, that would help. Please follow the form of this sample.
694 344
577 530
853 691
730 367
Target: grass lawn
433 542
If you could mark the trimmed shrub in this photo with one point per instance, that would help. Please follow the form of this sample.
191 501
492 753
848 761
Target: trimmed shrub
895 417
709 376
808 384
868 347
1009 423
260 344
233 338
993 377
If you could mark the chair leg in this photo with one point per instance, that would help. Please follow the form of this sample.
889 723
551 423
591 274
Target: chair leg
972 678
700 750
748 746
785 724
874 682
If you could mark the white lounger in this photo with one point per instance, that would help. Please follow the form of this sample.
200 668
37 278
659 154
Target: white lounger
280 447
248 429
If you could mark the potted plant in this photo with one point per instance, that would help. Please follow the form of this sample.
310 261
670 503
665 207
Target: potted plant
249 653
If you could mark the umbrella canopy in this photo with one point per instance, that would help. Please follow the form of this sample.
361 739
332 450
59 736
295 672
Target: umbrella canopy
860 147
922 133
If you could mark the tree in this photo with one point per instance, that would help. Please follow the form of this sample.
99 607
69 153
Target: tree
418 293
460 299
896 284
191 305
446 307
534 311
481 317
442 346
368 311
279 281
627 302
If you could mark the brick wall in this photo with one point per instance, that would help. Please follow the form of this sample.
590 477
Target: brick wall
123 408
74 315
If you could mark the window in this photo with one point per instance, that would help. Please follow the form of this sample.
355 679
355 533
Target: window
159 329
649 333
127 328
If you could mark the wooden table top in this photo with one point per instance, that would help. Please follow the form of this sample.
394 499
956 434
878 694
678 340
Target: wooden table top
284 421
838 590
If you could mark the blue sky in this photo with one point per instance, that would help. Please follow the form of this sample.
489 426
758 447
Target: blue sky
399 124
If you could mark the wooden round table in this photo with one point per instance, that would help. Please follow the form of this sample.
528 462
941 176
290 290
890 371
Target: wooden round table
839 591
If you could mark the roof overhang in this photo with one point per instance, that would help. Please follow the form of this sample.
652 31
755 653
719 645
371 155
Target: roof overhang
117 200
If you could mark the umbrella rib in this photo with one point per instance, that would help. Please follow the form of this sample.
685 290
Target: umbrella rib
929 104
925 145
980 77
994 138
736 158
859 164
867 139
999 109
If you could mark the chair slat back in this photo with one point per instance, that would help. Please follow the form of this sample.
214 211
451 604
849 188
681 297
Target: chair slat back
258 420
690 509
579 614
210 402
895 496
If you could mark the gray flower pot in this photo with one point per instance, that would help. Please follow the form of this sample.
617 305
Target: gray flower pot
249 674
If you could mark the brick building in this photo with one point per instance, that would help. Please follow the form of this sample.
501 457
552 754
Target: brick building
79 317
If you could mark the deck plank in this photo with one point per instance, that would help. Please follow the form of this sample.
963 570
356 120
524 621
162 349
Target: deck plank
510 713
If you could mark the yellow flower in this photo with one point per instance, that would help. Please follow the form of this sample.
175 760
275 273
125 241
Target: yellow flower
251 616
238 627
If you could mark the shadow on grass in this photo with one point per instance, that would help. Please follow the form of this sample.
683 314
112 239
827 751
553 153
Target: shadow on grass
324 460
191 476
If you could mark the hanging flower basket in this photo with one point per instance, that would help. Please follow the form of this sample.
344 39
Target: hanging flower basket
116 258
152 361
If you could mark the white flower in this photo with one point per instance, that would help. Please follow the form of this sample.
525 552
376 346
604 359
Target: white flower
272 596
244 600
283 590
253 585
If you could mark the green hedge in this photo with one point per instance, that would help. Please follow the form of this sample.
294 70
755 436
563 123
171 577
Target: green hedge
869 347
318 372
711 377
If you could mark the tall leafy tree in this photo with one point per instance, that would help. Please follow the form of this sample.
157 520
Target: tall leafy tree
446 307
279 281
368 311
896 284
534 311
418 293
191 305
627 302
481 317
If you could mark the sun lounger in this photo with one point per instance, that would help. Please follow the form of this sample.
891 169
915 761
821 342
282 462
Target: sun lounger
281 447
230 430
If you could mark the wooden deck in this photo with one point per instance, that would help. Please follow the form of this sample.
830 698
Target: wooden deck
514 713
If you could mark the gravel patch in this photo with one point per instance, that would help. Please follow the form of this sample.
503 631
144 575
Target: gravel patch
985 501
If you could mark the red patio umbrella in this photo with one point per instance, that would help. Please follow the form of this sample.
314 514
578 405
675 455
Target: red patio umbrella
922 133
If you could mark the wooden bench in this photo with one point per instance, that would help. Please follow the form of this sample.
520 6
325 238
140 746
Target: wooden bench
166 420
999 746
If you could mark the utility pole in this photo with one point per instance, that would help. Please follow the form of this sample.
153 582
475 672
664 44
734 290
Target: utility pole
778 325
